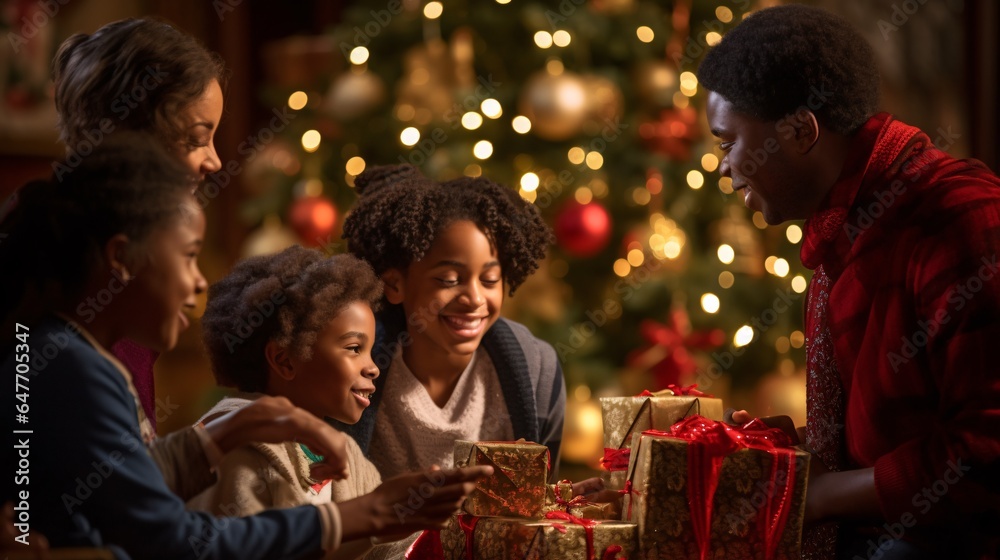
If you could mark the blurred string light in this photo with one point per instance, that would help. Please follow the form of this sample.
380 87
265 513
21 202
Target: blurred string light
410 136
689 84
433 10
622 268
576 155
355 165
561 38
359 55
695 179
543 39
726 185
782 345
726 279
583 195
743 336
503 2
793 233
595 160
712 38
529 181
710 302
636 257
759 221
483 149
472 120
310 140
797 339
710 162
726 254
724 14
645 34
297 100
521 124
491 108
799 284
554 67
781 267
473 170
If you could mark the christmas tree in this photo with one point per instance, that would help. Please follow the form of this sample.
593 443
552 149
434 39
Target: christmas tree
592 111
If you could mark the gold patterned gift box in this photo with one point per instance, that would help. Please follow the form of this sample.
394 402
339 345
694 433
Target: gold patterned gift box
498 538
519 483
721 499
626 416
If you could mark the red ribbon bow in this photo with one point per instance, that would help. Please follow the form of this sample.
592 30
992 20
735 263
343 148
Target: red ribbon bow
710 442
668 352
587 524
615 459
678 391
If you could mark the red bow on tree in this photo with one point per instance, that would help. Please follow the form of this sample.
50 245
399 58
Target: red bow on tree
668 354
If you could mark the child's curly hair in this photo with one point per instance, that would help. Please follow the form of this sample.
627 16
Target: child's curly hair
289 298
400 212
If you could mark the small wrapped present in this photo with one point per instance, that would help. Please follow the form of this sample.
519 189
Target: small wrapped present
519 482
559 497
558 536
626 416
705 489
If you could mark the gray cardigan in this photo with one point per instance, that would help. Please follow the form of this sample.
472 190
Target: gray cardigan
530 376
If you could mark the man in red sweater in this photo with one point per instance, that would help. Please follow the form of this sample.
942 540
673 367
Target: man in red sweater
903 310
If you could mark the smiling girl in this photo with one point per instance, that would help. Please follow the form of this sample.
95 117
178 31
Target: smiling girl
451 367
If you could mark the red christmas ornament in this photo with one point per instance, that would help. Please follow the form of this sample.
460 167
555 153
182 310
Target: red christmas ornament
313 219
582 230
673 134
667 355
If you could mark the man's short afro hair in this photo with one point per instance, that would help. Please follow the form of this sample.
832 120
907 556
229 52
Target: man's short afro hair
782 59
400 212
288 298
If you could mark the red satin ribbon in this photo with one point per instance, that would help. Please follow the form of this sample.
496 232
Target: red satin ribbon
587 524
710 442
611 553
689 391
627 491
615 459
468 525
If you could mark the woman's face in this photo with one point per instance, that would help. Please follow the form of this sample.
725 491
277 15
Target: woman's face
199 121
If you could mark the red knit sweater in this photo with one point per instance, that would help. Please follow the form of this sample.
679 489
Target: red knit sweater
908 289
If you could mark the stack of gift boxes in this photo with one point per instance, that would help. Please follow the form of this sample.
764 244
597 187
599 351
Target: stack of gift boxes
692 487
516 514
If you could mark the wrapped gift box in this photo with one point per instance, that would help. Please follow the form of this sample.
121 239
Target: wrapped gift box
497 538
709 490
626 416
519 483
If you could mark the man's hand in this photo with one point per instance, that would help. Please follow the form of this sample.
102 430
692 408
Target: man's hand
277 420
736 417
410 502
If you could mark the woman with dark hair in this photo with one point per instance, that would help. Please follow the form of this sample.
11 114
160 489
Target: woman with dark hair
143 75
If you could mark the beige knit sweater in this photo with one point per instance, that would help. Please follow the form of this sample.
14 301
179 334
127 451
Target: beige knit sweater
263 476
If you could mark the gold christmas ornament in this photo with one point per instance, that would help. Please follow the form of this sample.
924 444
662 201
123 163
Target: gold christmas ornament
656 82
557 106
353 94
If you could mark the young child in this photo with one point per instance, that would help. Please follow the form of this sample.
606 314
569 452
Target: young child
451 367
113 248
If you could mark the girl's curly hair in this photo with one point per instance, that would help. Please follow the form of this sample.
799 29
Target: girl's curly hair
400 212
289 298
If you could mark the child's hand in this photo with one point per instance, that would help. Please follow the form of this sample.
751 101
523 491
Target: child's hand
276 420
589 488
410 502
